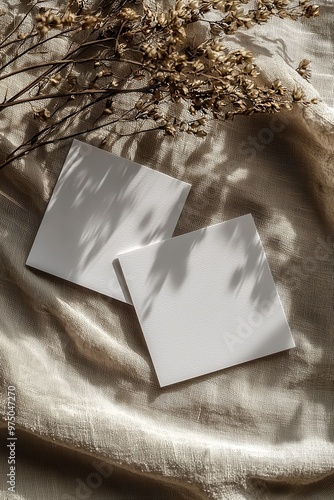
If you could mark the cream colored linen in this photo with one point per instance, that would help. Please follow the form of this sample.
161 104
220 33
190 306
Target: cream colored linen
86 389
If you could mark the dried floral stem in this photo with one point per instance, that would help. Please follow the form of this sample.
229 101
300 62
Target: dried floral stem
9 198
15 29
60 139
18 40
48 129
46 73
29 49
51 63
109 92
129 41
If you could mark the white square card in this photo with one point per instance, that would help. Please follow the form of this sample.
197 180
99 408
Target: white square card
206 300
103 205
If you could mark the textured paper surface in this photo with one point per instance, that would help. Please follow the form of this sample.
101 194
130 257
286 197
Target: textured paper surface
206 300
103 205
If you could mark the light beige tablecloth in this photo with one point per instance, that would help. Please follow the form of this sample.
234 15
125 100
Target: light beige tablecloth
93 422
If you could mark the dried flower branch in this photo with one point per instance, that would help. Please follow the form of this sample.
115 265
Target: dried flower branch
303 69
181 85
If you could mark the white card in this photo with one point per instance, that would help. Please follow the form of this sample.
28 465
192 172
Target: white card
103 205
206 300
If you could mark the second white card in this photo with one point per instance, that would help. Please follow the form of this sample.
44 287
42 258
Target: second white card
206 300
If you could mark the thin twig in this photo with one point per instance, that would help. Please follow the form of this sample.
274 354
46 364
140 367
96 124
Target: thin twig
38 44
46 73
118 36
17 27
47 130
11 42
51 63
9 198
43 76
69 94
59 139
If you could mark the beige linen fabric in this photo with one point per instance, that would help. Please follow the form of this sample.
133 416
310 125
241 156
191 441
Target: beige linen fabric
86 390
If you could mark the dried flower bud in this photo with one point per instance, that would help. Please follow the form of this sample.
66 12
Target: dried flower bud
304 63
68 18
128 14
88 22
162 19
72 79
42 29
194 5
41 114
229 115
210 54
198 65
312 11
303 69
170 129
281 4
55 80
160 77
220 5
42 15
54 21
297 94
278 87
